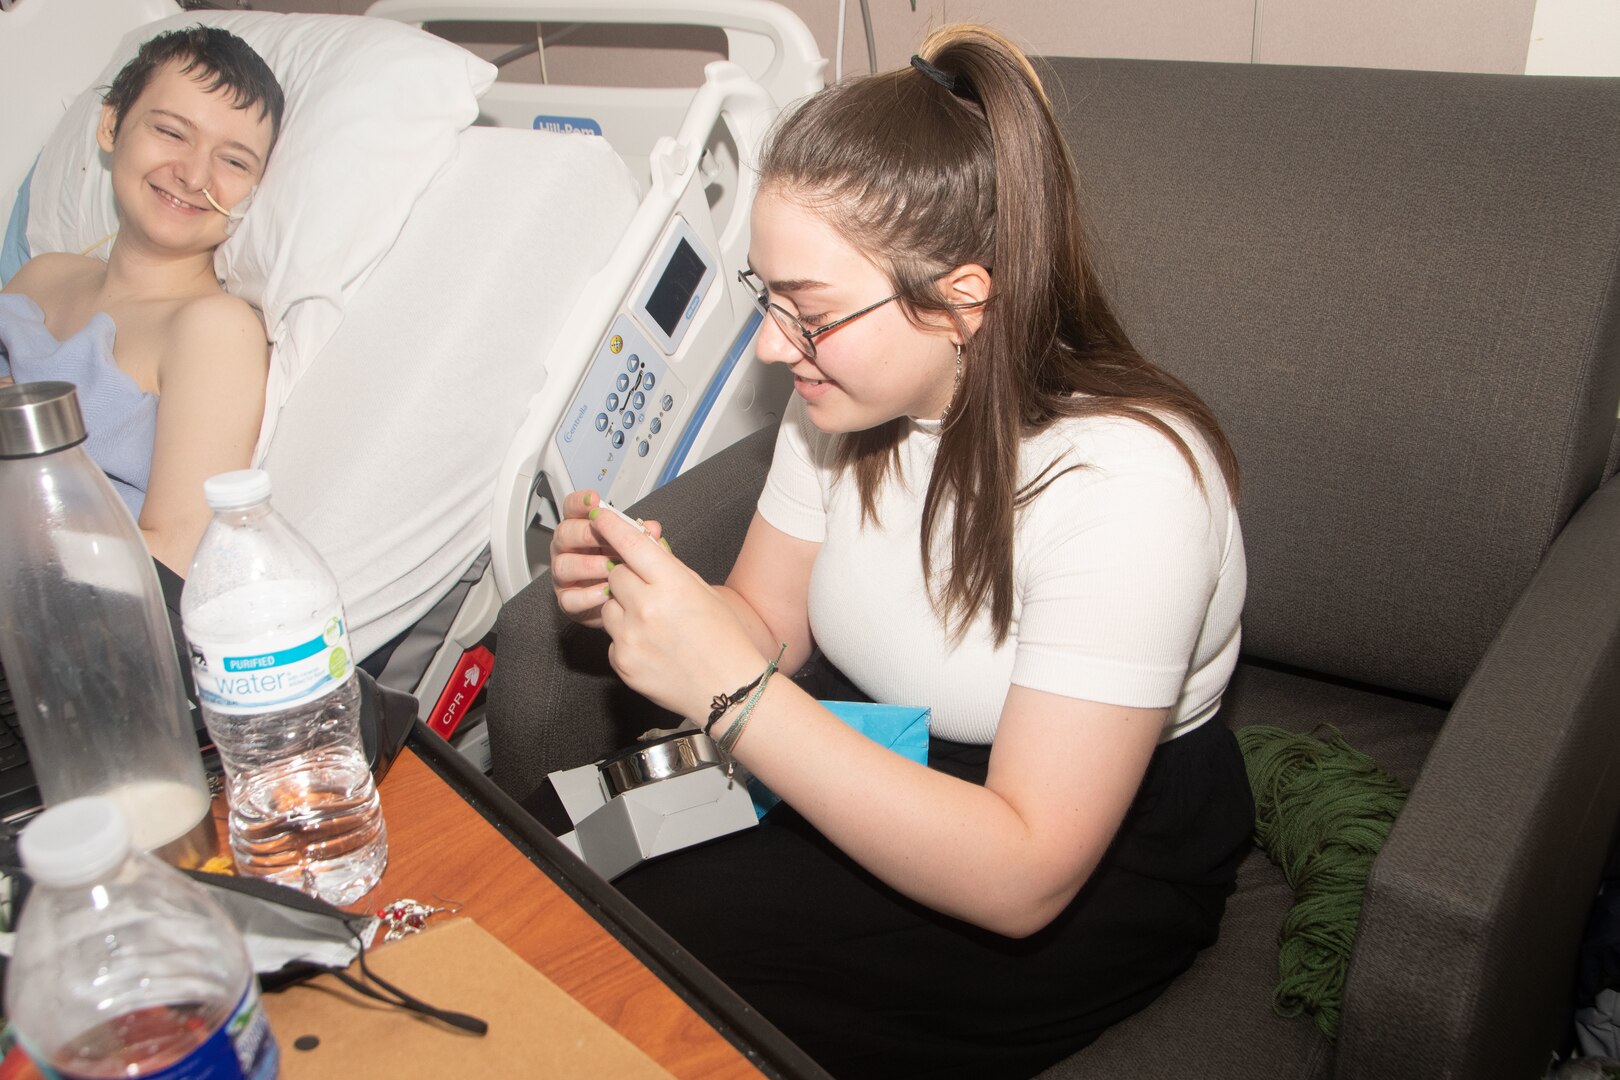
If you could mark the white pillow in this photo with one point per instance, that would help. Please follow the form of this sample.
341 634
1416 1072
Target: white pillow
373 110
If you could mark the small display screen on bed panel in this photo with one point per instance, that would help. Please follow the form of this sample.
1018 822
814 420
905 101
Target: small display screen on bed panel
674 290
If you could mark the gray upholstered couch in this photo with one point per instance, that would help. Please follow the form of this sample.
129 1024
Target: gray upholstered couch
1400 293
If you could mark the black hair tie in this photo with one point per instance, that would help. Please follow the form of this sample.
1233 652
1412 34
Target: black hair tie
956 84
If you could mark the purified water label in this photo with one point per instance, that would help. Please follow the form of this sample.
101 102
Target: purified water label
307 662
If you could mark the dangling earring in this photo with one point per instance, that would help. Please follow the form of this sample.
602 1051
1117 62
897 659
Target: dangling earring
956 384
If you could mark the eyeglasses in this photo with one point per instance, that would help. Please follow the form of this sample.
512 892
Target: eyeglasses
794 330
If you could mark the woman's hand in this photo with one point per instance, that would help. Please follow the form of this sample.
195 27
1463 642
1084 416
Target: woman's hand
676 639
580 562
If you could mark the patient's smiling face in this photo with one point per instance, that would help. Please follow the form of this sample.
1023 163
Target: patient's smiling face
176 140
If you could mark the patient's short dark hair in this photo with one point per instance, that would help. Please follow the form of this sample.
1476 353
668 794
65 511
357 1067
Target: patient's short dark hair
220 58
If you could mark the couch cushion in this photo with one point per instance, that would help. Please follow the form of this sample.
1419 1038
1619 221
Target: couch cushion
1395 290
1216 1020
1395 731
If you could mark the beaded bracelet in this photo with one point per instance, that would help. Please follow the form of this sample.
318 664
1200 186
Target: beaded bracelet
728 741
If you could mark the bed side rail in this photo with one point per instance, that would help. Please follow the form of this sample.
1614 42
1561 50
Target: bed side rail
682 190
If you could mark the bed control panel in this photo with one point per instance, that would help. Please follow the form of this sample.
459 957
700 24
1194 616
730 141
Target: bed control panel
633 416
625 412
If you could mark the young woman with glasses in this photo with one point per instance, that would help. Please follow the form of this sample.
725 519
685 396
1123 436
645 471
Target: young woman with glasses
983 500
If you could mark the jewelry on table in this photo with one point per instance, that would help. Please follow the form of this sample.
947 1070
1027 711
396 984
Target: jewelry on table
405 917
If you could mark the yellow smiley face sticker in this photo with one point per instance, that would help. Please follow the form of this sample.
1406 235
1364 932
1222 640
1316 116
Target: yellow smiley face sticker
615 344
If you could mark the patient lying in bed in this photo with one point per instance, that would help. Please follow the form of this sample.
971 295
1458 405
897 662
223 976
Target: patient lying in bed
170 368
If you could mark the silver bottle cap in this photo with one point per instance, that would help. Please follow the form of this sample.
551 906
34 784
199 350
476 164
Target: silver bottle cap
39 418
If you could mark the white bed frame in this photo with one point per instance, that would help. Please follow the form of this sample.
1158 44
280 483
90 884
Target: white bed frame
695 174
701 174
763 38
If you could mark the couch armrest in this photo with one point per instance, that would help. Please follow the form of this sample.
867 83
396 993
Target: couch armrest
1464 960
555 702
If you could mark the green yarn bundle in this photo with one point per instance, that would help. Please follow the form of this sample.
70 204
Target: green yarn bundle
1322 811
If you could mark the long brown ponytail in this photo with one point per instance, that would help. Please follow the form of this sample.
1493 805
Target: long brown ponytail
926 171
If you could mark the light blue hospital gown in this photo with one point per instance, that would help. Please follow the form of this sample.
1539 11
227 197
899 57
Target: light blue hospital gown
120 417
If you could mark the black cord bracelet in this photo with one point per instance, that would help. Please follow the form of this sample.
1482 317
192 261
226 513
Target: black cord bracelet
723 702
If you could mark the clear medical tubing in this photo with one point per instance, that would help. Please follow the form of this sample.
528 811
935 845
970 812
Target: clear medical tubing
274 671
84 635
124 967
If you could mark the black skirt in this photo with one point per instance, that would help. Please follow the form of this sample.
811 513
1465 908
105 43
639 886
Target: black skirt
872 984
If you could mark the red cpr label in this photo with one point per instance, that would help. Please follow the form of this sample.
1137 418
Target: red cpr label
469 677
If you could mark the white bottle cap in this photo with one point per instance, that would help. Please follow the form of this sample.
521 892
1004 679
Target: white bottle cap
75 843
237 490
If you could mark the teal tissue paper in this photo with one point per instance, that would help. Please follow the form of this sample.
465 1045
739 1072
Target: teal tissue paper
901 728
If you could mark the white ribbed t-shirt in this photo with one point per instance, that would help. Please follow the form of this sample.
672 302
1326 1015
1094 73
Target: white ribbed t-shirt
1128 578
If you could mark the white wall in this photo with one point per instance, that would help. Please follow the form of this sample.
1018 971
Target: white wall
1503 36
1453 35
1575 37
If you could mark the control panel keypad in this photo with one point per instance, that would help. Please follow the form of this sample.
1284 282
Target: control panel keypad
615 418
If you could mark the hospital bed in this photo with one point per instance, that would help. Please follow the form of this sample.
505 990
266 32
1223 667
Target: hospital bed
556 311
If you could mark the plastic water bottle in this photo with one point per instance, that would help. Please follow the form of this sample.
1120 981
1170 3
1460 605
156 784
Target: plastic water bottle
275 676
85 637
124 967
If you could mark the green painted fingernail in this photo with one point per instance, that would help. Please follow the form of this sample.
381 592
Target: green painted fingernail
665 542
588 498
607 590
611 564
592 515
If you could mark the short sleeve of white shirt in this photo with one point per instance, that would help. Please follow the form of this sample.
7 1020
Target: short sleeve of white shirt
793 497
1131 576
